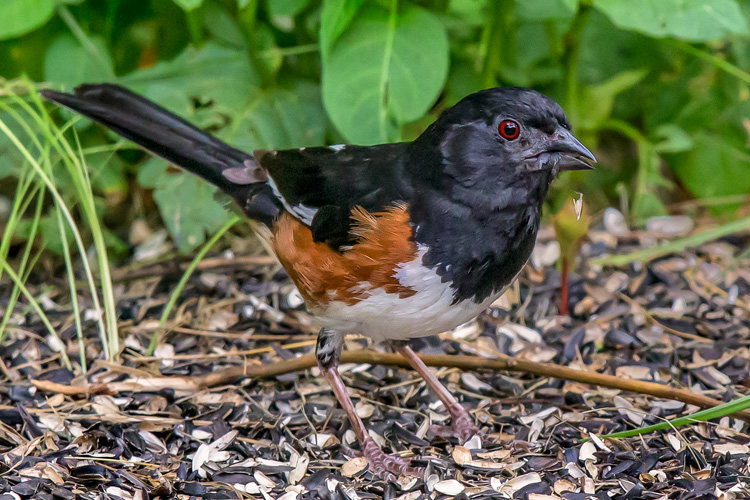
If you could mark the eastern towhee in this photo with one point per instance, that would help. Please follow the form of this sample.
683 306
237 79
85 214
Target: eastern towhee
393 241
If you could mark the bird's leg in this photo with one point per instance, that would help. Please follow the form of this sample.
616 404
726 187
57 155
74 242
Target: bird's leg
463 424
328 353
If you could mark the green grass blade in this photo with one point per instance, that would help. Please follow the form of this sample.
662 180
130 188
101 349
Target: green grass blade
184 279
68 218
701 416
22 267
73 289
76 166
677 245
37 308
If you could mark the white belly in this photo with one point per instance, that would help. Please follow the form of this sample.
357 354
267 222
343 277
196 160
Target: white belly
386 316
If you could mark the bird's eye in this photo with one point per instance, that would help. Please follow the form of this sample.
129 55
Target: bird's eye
509 129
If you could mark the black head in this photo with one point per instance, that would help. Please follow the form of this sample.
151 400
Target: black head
481 174
505 134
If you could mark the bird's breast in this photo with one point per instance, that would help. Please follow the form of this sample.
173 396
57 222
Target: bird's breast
379 287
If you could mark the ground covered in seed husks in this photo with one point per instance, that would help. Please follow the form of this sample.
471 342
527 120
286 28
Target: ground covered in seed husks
124 431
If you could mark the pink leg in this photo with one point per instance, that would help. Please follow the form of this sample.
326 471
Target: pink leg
463 424
386 466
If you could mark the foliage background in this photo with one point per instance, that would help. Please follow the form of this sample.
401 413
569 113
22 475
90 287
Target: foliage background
658 88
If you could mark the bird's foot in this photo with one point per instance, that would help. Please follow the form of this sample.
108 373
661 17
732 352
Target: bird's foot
463 424
385 466
462 427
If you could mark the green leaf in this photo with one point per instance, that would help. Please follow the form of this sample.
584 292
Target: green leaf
213 73
334 18
189 5
282 118
21 16
596 101
697 20
673 139
107 173
713 168
186 203
546 9
69 63
288 8
385 70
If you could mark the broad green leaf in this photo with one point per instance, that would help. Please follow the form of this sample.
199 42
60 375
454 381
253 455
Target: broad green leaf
334 18
189 4
713 168
107 174
470 12
698 20
596 101
189 209
672 139
69 63
288 8
213 73
281 118
18 17
222 27
607 51
385 70
186 203
546 9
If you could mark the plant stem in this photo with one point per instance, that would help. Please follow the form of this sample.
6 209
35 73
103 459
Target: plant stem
713 59
564 290
571 59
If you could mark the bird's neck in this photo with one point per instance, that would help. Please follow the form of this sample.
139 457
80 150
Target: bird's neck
478 240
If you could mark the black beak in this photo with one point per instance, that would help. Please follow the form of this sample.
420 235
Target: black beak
573 154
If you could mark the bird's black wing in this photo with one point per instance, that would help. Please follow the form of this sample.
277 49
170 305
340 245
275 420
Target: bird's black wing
321 185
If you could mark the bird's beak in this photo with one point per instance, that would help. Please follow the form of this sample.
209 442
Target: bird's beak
573 155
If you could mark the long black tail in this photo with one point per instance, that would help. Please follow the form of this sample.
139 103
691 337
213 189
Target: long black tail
169 136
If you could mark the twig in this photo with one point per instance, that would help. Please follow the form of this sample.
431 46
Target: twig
467 363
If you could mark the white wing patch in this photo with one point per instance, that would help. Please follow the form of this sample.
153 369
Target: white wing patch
337 147
301 212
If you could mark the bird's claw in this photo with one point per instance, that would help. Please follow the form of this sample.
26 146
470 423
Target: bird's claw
385 466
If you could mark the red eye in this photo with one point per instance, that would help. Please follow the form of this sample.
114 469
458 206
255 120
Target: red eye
509 129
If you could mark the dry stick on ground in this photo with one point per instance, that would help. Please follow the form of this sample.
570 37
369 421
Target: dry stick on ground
468 363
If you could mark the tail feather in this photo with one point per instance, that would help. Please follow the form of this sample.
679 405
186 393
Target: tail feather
174 139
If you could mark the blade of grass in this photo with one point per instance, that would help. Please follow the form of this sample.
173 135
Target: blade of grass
677 245
184 279
68 218
76 165
700 416
20 204
38 309
72 287
79 174
22 267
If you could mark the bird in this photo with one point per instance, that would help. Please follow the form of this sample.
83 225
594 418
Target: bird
392 241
